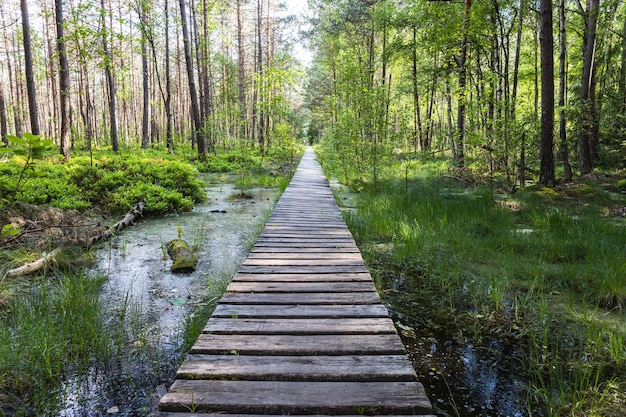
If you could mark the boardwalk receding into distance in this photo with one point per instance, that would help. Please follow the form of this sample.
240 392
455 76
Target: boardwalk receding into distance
301 329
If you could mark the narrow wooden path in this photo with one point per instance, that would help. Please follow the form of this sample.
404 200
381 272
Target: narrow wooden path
301 329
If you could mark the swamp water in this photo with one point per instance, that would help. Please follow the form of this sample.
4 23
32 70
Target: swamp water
155 302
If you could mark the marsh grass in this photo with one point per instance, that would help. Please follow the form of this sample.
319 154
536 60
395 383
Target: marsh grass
49 332
468 249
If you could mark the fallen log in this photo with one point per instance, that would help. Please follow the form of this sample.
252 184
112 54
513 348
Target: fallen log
129 219
35 265
182 255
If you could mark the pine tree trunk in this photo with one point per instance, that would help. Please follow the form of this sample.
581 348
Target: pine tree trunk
3 117
195 108
459 155
260 112
567 167
546 148
241 75
108 63
64 82
169 134
145 118
587 93
30 73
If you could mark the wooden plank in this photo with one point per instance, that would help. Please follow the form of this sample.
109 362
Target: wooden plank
303 244
302 298
167 414
329 261
304 269
299 311
300 239
305 253
300 326
298 368
347 277
287 397
371 344
291 287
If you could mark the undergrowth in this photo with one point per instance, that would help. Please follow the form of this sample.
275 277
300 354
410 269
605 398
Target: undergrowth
544 268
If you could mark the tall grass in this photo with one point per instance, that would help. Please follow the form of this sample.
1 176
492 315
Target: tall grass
55 329
480 258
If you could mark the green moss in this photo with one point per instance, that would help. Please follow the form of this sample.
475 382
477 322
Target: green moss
185 260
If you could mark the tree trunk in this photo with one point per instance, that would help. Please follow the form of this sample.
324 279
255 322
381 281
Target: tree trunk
108 63
546 148
145 117
241 75
3 118
459 155
193 92
567 167
260 112
30 74
587 93
64 82
169 135
417 122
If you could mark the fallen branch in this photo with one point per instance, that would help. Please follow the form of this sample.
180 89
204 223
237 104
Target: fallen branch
128 220
35 265
130 217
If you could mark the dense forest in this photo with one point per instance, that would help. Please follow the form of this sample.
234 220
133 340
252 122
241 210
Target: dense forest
141 72
516 89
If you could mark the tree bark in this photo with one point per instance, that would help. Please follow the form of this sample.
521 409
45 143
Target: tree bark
193 92
260 112
587 89
108 63
3 118
145 118
241 74
30 73
459 155
546 148
169 134
64 82
567 167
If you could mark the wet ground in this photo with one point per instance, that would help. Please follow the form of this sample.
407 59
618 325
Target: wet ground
465 372
155 302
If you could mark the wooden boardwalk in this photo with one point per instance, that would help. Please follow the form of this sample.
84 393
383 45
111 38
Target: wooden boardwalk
301 329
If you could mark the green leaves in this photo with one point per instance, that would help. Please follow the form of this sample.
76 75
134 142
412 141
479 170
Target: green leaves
30 146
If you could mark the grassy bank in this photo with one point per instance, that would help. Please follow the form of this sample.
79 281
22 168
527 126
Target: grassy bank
541 270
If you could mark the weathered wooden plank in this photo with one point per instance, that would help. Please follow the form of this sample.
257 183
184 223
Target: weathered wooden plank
299 311
304 253
319 224
298 368
167 414
304 269
329 261
347 277
371 344
287 397
308 287
301 298
307 245
300 326
307 239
